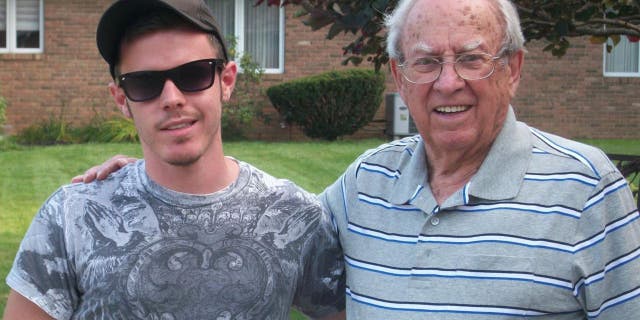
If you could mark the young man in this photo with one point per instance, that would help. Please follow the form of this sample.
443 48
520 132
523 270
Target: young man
480 216
185 233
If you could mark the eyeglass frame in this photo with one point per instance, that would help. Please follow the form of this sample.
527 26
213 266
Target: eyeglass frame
502 53
216 65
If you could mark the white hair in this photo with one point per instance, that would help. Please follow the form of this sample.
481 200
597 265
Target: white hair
513 40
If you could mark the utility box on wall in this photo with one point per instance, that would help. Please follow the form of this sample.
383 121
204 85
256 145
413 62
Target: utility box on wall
399 121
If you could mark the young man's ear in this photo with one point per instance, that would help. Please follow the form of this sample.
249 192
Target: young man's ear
228 80
119 98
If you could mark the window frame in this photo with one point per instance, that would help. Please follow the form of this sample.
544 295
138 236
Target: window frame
11 31
617 74
239 27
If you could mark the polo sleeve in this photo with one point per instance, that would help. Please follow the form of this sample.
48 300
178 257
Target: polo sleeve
337 197
608 261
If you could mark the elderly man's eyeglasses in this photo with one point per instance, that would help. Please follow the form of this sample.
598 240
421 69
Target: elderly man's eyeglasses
190 77
469 66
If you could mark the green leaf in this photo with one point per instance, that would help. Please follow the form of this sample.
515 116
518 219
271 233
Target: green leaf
335 29
615 38
597 39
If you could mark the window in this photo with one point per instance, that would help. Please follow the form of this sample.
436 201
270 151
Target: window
623 60
259 30
21 26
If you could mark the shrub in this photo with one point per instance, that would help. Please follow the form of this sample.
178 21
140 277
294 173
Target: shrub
52 131
3 115
100 130
245 105
8 143
331 104
114 129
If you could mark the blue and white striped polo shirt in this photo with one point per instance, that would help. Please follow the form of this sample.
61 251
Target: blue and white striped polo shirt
547 228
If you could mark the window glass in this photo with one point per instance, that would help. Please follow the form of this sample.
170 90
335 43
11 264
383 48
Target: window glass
256 29
224 11
623 58
262 36
28 23
3 23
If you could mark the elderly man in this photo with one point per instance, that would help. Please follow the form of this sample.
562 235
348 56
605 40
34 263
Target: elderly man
480 216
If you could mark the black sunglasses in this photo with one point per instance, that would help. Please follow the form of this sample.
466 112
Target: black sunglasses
190 77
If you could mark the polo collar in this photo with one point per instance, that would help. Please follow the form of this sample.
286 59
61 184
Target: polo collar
414 175
500 176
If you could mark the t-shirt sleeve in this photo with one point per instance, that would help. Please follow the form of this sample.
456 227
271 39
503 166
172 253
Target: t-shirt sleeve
41 270
321 289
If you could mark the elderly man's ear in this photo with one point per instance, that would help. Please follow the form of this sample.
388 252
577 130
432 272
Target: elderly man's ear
515 71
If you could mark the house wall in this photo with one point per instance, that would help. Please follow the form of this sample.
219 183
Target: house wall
69 80
567 96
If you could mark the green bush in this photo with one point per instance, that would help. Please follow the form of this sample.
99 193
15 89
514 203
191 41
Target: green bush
49 132
114 129
99 130
3 115
245 105
331 104
8 143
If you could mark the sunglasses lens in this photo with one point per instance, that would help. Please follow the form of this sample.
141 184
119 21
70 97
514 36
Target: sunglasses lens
142 86
194 76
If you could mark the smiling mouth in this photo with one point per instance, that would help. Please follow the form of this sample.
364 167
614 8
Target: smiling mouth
180 126
452 109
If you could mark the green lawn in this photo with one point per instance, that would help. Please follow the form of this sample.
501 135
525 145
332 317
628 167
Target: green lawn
618 146
29 176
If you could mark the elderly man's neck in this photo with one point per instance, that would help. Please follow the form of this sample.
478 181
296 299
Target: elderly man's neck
451 170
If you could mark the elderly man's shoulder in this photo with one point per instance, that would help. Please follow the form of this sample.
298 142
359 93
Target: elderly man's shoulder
558 150
393 150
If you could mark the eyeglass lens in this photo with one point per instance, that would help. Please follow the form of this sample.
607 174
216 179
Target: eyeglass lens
190 77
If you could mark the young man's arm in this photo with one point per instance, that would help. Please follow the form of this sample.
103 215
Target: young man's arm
19 307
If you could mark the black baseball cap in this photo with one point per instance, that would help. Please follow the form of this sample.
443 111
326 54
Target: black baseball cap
123 13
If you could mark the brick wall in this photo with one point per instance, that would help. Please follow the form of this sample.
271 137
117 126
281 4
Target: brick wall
570 96
69 79
567 96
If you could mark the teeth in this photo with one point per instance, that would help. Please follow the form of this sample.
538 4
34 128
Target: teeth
179 126
451 109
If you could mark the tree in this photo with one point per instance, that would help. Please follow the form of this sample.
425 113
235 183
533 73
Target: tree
552 21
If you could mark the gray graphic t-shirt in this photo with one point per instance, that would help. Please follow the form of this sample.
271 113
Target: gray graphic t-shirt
127 248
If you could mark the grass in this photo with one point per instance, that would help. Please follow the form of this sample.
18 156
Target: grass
29 175
618 146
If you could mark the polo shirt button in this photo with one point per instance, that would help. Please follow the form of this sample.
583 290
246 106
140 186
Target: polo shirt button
435 221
